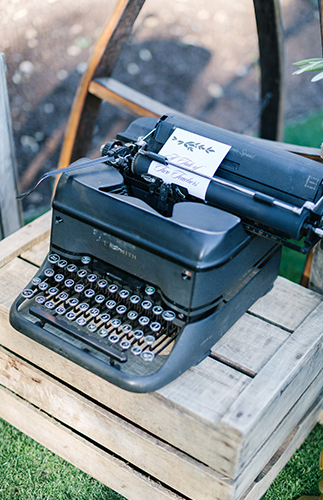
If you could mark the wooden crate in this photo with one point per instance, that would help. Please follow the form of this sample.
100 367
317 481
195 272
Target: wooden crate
223 430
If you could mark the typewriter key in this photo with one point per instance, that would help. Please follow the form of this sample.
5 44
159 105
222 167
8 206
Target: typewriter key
50 304
134 299
157 310
81 321
155 326
53 258
113 288
79 288
102 332
89 293
110 304
149 339
49 272
138 334
150 290
124 294
36 280
59 278
99 298
114 338
143 320
73 301
83 306
86 260
125 344
63 296
52 290
126 328
105 317
92 328
71 268
132 315
43 286
102 283
169 315
60 310
121 309
94 312
40 299
147 355
92 278
27 293
82 273
115 323
62 263
69 283
146 304
136 350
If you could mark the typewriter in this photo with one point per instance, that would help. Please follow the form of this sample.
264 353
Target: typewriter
145 273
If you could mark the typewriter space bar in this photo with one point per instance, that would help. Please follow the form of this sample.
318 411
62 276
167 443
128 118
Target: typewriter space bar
61 325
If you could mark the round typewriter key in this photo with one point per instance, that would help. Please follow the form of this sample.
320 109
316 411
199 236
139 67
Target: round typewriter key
83 306
63 296
92 328
50 304
103 332
124 294
157 310
149 339
110 304
59 278
147 355
73 301
134 299
79 288
125 344
121 309
138 334
136 350
43 286
102 283
69 283
53 290
143 320
71 268
99 298
132 315
62 263
36 280
89 293
169 315
60 310
40 299
115 323
105 317
126 328
49 272
92 278
86 260
113 288
82 273
150 290
81 321
53 258
146 304
114 338
27 293
94 312
155 326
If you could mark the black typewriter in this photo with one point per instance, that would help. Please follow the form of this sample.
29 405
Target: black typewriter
143 277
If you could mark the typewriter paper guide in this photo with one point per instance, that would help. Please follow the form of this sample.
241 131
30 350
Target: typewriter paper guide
198 154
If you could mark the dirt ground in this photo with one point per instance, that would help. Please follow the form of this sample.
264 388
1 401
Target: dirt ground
200 58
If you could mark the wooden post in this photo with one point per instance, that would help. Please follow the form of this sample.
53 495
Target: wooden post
10 218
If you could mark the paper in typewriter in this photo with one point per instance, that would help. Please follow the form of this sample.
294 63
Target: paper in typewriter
192 152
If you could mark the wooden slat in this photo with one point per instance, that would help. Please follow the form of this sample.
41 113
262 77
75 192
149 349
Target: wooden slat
80 452
18 272
23 239
125 98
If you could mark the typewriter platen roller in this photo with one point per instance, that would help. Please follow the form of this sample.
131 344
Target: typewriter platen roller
143 277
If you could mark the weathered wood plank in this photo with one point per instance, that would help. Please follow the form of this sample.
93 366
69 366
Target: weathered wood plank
10 217
37 253
23 239
101 465
17 272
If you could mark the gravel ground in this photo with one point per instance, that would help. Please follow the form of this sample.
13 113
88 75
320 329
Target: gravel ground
201 60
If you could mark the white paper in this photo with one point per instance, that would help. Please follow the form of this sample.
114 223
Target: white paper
196 155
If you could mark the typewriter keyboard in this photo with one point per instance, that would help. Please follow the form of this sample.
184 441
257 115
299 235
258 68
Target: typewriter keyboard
120 320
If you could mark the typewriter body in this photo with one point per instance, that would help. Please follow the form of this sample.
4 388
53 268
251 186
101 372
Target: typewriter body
143 277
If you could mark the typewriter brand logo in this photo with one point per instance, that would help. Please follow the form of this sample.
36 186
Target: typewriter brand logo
115 244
